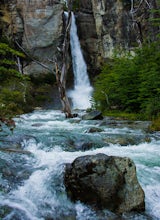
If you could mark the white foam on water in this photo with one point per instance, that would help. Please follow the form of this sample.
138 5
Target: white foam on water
44 191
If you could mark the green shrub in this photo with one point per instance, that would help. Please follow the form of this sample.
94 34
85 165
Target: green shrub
155 126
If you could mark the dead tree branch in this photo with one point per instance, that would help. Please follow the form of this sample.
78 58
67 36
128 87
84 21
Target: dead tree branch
61 75
63 95
34 60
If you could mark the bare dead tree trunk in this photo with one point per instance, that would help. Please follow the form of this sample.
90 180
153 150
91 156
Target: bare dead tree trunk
61 74
63 95
136 7
33 59
19 65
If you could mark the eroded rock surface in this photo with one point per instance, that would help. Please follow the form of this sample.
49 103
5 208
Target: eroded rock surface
105 182
104 26
37 25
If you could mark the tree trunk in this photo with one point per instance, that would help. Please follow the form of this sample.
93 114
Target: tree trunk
61 75
63 96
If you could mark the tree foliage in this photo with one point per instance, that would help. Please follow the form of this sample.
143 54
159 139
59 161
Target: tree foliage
13 88
131 82
8 68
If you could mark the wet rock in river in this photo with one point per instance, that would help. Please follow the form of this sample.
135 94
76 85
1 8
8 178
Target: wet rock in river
84 144
16 141
121 123
94 129
17 151
93 115
4 210
13 171
80 146
105 182
7 212
125 140
37 125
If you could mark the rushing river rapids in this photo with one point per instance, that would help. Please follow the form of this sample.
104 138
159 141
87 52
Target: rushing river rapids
32 162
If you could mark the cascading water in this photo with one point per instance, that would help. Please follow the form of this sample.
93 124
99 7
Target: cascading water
33 158
81 93
32 162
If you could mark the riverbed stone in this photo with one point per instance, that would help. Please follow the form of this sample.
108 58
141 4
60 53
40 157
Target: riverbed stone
94 129
93 115
83 144
103 181
15 213
125 140
13 169
16 142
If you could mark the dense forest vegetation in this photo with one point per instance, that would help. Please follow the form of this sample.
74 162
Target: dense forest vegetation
130 82
19 93
13 92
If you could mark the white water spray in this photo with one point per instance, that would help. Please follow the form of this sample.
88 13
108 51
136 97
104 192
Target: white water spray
81 94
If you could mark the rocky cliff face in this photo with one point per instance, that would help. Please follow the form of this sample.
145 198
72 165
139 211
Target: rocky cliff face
38 26
103 26
106 25
42 24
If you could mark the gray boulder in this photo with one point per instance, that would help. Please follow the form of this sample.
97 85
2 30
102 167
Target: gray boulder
105 182
93 115
38 26
94 130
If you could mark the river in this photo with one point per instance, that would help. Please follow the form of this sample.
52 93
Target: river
32 162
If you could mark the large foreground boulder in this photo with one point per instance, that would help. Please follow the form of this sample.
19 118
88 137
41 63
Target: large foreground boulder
105 182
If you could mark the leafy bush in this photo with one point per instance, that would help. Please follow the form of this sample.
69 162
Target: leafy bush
155 126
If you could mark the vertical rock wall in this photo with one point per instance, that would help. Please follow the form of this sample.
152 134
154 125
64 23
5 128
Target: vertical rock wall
38 26
103 26
106 25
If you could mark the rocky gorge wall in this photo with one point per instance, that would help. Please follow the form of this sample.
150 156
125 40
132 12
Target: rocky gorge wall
103 26
106 25
38 26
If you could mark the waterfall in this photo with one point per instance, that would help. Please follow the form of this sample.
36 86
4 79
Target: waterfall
81 93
